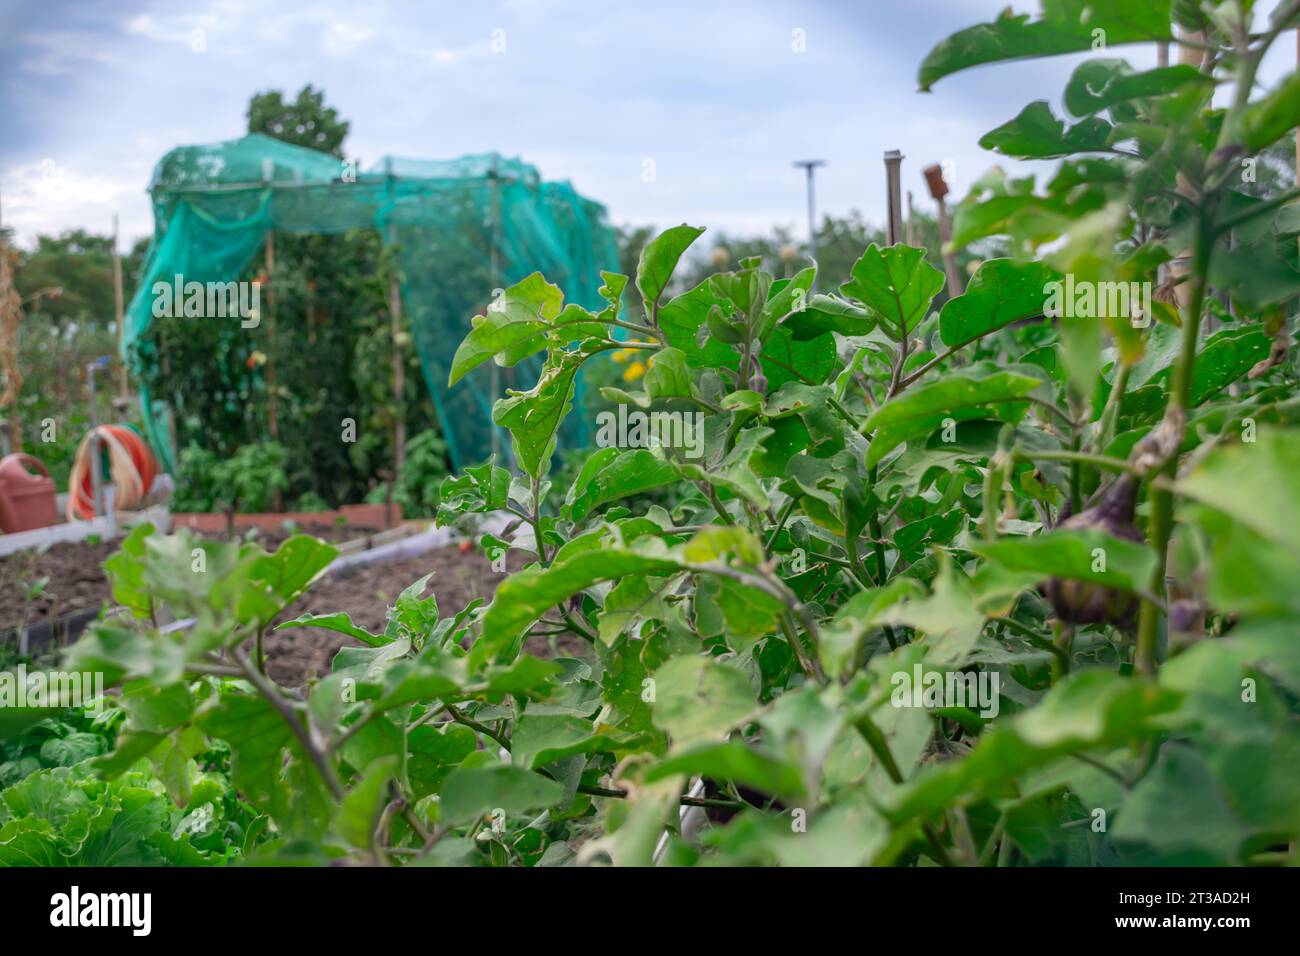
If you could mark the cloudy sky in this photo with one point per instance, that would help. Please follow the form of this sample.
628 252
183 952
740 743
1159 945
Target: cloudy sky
721 96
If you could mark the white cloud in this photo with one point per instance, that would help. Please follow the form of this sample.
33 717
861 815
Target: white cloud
47 196
60 52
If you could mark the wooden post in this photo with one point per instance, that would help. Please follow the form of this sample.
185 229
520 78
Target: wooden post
399 364
11 314
272 408
311 311
911 220
1180 264
934 181
118 312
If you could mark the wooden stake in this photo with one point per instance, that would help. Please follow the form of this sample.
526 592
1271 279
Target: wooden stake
311 312
1181 264
938 188
399 365
118 312
272 408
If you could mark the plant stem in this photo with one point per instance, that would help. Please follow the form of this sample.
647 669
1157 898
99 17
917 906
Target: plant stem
1064 643
481 728
867 728
535 519
1162 498
781 519
810 668
685 800
273 697
1087 458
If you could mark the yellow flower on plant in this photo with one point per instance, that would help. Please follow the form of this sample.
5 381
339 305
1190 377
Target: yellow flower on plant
620 355
633 372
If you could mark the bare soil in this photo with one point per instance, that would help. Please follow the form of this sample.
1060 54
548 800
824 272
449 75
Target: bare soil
76 581
67 577
366 593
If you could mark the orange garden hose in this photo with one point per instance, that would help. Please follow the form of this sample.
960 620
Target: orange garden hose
131 464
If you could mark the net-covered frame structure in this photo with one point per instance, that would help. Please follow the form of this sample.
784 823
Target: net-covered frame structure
459 229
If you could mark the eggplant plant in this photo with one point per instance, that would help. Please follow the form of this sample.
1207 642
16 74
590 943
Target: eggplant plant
1009 582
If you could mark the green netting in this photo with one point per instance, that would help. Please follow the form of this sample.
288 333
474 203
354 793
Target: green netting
461 228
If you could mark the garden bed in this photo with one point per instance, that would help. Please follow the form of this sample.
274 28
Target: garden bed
41 587
75 587
366 593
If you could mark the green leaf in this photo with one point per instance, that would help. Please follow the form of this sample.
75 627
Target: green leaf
658 260
920 411
612 290
358 812
534 417
481 488
523 597
1090 710
1096 85
433 754
412 615
1269 118
470 791
514 326
897 282
541 739
125 570
1064 26
736 473
634 598
1036 133
1179 806
745 613
611 474
1249 574
74 748
1224 358
732 761
1255 275
277 580
667 376
340 623
698 698
1082 554
828 313
1002 291
292 791
1257 483
842 836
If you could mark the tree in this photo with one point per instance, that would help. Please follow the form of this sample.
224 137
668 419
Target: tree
80 265
306 121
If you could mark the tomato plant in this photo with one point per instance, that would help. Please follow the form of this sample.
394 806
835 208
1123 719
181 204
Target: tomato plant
1001 583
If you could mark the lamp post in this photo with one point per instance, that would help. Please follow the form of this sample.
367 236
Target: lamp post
809 165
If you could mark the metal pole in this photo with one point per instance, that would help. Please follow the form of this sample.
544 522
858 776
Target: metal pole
894 195
809 165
